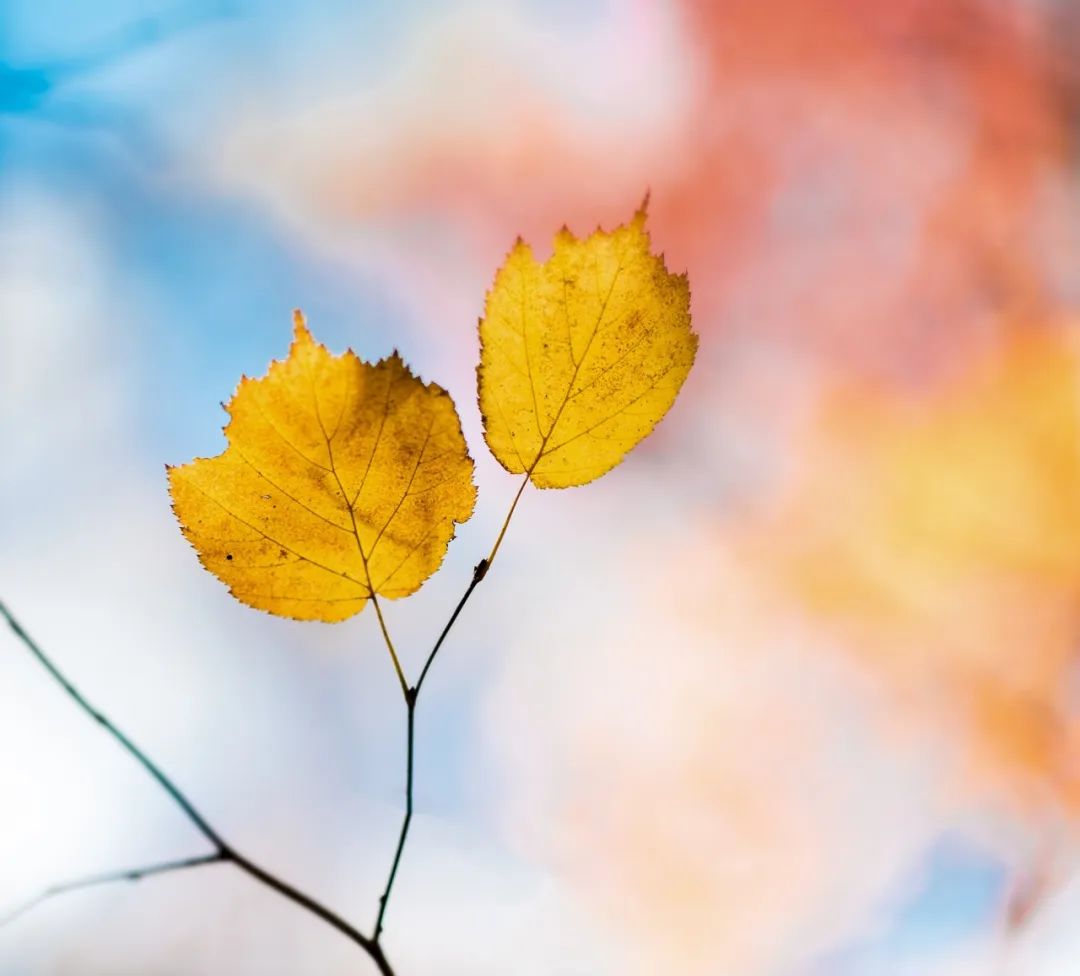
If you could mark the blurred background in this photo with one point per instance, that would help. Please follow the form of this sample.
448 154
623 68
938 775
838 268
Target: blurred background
794 691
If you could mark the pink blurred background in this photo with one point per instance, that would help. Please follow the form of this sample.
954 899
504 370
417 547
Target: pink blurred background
791 692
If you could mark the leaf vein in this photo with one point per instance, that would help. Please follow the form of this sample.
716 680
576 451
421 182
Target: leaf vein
277 542
408 485
528 360
375 443
646 334
273 484
412 552
588 430
284 439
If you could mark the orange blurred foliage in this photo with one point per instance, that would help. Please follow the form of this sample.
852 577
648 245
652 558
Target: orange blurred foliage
865 179
940 538
947 122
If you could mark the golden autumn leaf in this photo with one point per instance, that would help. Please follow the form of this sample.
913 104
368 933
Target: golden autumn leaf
582 355
341 479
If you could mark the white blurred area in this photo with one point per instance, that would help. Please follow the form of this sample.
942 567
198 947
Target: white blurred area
730 797
718 791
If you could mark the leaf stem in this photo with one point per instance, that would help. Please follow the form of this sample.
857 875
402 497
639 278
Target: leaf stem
390 646
223 851
509 515
110 877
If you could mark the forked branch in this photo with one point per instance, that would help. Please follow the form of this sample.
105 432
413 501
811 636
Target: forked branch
223 852
412 695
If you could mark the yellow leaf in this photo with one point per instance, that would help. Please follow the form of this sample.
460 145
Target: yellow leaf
581 356
341 479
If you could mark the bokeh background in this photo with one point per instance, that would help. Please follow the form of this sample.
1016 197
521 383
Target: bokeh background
794 691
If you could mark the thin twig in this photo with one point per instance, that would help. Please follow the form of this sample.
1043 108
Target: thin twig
134 751
509 515
412 695
110 877
224 851
390 646
479 573
371 947
384 899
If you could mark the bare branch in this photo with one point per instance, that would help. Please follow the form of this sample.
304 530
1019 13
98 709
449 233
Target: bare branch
109 877
224 851
412 694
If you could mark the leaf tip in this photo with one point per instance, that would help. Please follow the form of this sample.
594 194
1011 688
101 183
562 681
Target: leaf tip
300 329
564 236
522 248
642 212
